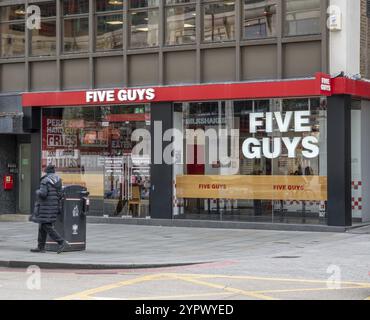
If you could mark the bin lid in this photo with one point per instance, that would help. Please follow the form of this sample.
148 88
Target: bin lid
74 190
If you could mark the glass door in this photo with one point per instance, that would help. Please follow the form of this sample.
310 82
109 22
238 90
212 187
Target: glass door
127 174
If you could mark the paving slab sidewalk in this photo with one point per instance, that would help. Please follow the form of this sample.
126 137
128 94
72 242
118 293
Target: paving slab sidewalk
112 246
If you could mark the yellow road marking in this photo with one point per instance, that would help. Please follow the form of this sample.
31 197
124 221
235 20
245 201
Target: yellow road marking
207 276
309 289
85 294
190 295
228 289
197 279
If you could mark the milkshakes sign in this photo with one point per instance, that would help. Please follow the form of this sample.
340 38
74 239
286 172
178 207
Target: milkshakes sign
123 95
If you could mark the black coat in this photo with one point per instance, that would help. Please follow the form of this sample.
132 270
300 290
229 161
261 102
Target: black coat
48 203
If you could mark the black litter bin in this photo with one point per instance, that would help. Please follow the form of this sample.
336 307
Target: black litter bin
71 223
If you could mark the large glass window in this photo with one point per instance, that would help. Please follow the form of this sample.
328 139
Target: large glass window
109 33
48 9
75 7
109 27
93 147
143 3
76 35
255 160
259 19
11 13
75 26
43 40
180 23
12 31
219 21
108 5
302 17
144 21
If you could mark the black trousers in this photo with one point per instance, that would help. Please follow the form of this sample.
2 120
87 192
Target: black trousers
48 229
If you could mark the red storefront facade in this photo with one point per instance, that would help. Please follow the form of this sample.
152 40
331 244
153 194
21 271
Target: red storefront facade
267 188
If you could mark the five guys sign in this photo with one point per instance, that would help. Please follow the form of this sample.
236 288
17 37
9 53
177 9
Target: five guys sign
124 95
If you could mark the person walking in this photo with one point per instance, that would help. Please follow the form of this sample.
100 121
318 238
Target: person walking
47 208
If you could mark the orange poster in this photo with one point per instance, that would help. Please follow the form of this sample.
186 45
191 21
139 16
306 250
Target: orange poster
252 187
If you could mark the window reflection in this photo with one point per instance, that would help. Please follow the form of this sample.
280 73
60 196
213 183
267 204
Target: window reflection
10 13
48 9
109 32
144 29
75 6
43 41
302 17
219 21
143 3
76 35
178 1
180 25
108 5
12 39
259 19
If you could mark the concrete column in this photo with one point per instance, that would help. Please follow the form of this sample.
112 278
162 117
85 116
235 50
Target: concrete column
365 159
160 173
339 161
345 44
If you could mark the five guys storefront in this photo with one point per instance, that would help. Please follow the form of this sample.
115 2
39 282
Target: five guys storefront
292 151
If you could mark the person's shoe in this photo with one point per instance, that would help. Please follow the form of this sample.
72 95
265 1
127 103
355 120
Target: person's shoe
63 246
38 250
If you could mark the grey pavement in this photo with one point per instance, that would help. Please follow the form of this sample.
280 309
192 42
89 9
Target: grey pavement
285 253
238 264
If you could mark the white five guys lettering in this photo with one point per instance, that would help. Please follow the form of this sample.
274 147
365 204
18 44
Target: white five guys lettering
122 95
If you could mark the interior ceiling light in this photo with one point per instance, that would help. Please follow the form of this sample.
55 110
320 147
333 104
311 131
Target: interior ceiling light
114 22
20 12
115 2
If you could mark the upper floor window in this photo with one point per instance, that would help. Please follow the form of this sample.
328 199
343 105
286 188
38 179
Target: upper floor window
259 19
11 13
43 40
180 22
109 32
48 9
109 25
143 3
75 26
219 20
144 20
75 7
12 31
108 5
302 17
